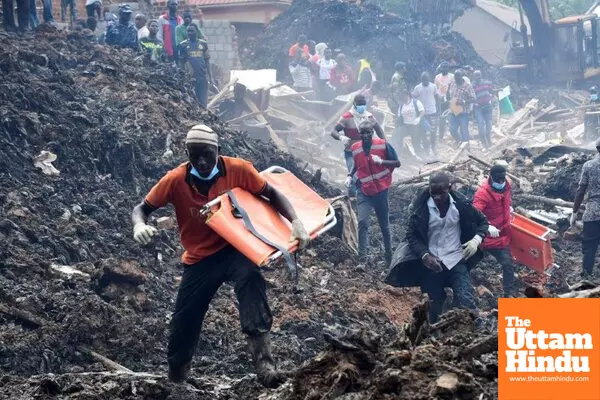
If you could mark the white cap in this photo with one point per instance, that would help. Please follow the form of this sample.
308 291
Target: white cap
202 134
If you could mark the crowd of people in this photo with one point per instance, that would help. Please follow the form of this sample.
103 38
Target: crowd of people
424 112
171 38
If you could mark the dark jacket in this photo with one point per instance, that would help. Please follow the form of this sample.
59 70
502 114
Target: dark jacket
122 36
407 268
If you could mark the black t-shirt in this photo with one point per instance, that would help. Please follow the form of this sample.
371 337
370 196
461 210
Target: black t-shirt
196 54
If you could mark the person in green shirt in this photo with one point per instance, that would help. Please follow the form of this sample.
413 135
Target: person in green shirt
181 33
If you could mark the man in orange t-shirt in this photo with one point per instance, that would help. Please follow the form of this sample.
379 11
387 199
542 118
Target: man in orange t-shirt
300 45
209 260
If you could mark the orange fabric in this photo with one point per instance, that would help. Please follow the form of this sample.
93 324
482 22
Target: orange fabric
309 206
294 49
198 240
527 248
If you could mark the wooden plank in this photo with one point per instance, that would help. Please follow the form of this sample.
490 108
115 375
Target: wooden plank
485 163
107 362
460 150
222 93
242 117
261 118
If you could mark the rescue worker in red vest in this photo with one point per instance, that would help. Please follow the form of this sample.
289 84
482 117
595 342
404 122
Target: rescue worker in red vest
374 163
493 199
346 130
208 260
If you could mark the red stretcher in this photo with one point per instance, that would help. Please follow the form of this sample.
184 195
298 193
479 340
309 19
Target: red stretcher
531 245
251 225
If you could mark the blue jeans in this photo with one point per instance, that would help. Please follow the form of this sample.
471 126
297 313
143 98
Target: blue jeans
63 10
458 279
33 20
508 270
483 116
459 127
350 164
48 10
589 244
379 203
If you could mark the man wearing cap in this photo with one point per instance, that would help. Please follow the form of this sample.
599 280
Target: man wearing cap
124 33
494 200
374 163
167 33
590 183
209 260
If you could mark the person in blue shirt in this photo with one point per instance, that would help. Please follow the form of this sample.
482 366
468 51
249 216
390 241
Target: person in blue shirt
193 57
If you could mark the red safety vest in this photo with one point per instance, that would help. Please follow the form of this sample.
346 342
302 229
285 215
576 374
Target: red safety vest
373 178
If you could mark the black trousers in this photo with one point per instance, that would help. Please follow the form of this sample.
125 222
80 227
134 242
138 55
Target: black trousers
22 14
589 244
459 279
199 284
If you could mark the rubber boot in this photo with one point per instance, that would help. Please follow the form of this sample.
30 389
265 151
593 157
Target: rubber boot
180 373
266 372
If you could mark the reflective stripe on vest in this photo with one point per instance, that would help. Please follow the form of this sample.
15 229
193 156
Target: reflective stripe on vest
378 175
373 178
373 147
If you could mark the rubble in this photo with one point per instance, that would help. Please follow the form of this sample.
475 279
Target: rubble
84 310
359 31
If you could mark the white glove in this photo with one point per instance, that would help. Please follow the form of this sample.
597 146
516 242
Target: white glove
573 219
376 159
345 140
300 234
493 231
512 210
348 181
470 248
143 233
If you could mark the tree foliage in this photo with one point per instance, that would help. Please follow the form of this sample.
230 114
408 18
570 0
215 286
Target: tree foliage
560 8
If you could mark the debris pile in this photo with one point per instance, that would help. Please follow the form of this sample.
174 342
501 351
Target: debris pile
78 297
84 310
359 31
449 359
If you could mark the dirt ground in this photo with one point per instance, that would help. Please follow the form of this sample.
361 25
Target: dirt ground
74 283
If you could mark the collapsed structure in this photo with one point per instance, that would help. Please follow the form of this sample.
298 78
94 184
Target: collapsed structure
83 309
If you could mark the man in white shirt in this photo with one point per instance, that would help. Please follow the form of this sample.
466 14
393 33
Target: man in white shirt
140 25
427 93
410 113
441 246
443 81
301 73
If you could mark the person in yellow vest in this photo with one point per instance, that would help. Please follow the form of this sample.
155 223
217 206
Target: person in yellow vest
374 162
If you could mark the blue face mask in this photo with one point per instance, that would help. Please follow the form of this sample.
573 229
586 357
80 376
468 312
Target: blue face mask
593 97
212 174
361 109
498 186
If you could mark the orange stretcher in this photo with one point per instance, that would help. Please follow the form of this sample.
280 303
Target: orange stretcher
251 225
531 245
